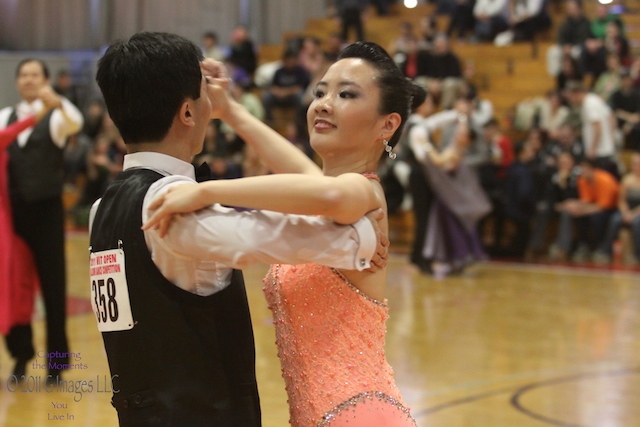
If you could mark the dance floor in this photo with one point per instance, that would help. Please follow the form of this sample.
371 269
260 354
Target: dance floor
503 345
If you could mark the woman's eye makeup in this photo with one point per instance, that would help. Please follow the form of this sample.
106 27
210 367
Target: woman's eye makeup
348 94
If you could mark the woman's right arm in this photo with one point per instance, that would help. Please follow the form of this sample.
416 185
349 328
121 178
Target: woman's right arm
11 132
274 150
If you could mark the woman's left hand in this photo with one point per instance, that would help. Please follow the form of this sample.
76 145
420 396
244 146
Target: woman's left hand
178 199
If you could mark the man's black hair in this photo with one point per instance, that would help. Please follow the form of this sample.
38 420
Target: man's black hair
145 79
45 69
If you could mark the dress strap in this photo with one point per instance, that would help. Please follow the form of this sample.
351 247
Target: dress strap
371 175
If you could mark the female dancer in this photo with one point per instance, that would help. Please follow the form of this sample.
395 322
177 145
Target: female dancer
330 324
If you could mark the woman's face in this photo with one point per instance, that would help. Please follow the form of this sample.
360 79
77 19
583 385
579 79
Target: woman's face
344 113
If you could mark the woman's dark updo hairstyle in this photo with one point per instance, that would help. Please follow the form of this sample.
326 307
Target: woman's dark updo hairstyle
397 93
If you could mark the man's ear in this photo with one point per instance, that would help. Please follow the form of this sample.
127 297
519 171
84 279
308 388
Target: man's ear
185 114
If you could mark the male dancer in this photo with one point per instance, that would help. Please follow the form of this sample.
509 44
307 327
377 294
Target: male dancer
35 186
176 324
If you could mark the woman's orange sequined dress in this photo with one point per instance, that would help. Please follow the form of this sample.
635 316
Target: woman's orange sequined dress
330 339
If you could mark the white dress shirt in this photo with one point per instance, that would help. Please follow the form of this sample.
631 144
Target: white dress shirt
59 127
419 142
490 7
595 110
201 247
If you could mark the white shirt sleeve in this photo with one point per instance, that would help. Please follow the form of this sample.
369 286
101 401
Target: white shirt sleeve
489 7
440 120
419 142
534 7
61 127
237 239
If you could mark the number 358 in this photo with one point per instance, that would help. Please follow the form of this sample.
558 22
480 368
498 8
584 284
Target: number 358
104 296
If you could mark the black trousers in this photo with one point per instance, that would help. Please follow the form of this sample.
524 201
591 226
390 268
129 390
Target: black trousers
422 196
41 225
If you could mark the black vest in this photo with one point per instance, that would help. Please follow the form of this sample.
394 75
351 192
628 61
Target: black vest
189 360
35 170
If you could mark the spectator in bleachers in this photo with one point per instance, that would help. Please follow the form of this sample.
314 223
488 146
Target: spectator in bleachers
598 127
628 215
413 63
294 135
553 113
492 176
443 71
569 71
287 87
567 140
593 60
101 169
75 159
520 197
462 20
332 47
236 73
351 13
602 19
609 81
527 18
562 186
542 164
427 31
94 118
382 7
634 70
211 48
616 43
401 44
219 153
64 86
625 104
597 202
224 168
242 93
214 144
572 34
242 51
490 18
310 55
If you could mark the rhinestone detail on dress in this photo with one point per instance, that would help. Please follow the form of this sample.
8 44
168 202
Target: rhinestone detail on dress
358 291
362 398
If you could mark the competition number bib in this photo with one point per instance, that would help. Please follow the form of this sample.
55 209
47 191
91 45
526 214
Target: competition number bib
109 291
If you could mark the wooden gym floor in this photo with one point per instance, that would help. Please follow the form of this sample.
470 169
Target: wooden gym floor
501 345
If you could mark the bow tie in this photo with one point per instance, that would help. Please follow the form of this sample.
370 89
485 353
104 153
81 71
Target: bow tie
203 172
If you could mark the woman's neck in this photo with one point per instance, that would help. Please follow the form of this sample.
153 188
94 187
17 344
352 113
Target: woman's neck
335 168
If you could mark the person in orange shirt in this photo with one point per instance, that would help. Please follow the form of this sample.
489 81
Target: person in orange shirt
597 202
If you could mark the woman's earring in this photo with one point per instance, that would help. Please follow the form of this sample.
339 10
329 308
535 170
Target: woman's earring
389 149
